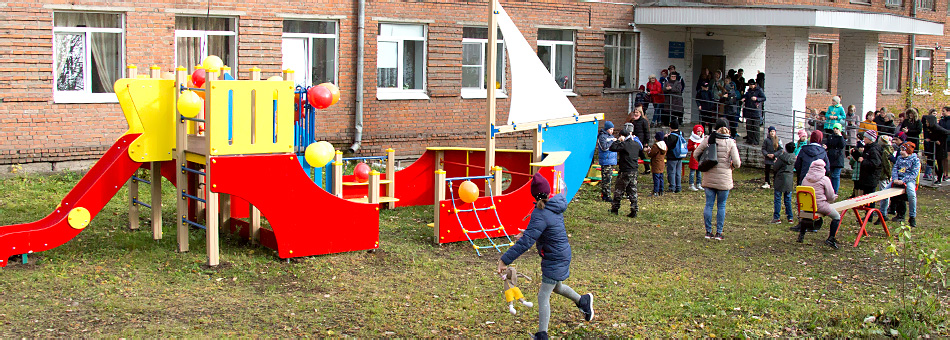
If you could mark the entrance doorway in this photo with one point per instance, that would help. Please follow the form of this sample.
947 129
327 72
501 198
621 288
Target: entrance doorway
707 54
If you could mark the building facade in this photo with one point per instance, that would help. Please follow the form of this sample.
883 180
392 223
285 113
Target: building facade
423 80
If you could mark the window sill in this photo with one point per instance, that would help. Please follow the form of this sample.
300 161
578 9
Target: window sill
618 90
482 94
570 93
890 92
84 98
402 95
818 91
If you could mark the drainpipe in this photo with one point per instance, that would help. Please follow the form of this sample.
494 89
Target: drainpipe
913 58
361 32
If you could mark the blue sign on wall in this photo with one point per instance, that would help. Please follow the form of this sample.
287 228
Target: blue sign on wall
677 49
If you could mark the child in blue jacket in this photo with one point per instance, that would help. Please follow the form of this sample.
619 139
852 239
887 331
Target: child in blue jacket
546 228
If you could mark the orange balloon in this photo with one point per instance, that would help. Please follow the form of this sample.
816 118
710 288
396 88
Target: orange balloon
334 90
468 192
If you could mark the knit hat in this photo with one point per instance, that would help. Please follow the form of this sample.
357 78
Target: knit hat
790 147
658 136
697 129
674 125
771 128
902 136
721 123
908 147
540 188
836 126
815 137
870 134
608 125
802 134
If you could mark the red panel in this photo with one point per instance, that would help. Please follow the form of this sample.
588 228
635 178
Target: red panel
240 208
512 208
168 171
306 220
92 192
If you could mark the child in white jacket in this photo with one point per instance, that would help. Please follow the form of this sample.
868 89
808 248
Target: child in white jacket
824 195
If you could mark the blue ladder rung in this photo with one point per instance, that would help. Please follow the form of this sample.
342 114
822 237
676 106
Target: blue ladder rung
193 171
136 178
136 201
185 220
199 199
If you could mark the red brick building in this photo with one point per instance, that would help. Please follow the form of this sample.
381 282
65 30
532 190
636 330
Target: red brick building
423 61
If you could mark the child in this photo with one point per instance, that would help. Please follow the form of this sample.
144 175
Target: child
658 162
695 176
606 158
904 175
547 229
855 165
784 184
629 149
770 149
824 196
802 140
674 162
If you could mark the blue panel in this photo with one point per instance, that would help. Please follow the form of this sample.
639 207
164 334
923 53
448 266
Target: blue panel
580 140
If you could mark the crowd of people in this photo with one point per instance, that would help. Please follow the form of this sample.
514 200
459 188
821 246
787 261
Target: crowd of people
883 151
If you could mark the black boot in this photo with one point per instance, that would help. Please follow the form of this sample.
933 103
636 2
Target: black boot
615 211
832 242
912 222
541 336
632 214
801 237
832 232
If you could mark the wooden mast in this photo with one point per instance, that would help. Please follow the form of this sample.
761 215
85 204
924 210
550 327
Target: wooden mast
490 86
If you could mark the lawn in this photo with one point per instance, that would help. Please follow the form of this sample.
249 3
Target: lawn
651 276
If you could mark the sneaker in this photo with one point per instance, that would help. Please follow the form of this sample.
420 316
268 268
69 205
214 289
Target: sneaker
632 214
700 187
692 187
586 304
765 186
719 237
912 222
832 242
656 194
614 212
709 235
791 220
897 218
541 336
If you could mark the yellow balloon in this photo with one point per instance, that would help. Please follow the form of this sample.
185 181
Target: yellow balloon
319 154
189 104
468 192
334 90
276 78
212 62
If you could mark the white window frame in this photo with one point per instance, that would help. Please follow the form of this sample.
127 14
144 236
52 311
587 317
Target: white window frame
482 92
893 3
918 71
310 38
385 93
233 64
553 44
890 54
86 95
616 62
812 70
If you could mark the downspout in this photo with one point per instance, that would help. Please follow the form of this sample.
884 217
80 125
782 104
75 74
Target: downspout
361 32
913 59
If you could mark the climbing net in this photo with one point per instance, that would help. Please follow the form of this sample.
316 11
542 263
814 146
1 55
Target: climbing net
481 227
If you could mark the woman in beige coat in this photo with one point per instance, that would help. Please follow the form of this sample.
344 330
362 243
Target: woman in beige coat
718 181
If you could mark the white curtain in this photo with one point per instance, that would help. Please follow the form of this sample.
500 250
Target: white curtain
106 47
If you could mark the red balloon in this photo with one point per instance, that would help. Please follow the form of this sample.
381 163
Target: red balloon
198 77
361 172
319 97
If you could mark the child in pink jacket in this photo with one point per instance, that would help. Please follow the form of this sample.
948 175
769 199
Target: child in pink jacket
824 196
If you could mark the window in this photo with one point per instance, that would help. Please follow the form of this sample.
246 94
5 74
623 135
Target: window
400 61
556 51
87 56
310 49
892 69
199 37
619 62
923 60
926 4
946 61
818 66
861 2
893 3
475 63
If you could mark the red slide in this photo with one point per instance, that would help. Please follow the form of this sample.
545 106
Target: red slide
92 192
306 220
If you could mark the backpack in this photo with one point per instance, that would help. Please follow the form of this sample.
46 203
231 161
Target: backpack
679 150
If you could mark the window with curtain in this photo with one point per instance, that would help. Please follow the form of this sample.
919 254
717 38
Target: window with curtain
893 3
927 5
87 56
818 66
199 37
619 60
475 63
891 64
923 61
401 61
556 51
310 49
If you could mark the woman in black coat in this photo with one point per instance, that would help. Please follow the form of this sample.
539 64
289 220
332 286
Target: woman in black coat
937 135
911 126
871 162
834 144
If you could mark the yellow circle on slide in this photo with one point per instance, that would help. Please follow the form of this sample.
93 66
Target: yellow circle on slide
78 218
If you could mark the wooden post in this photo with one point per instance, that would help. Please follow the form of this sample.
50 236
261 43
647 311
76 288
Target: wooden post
538 142
225 70
133 207
391 176
224 202
496 182
155 72
490 86
372 193
439 196
338 174
255 73
255 225
181 178
211 207
133 71
289 75
156 178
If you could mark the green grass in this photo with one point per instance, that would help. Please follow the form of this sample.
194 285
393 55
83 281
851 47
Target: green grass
652 276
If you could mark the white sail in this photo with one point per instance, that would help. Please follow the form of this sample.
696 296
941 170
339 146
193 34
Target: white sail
535 96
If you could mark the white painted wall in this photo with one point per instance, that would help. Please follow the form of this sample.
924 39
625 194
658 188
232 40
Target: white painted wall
786 77
857 70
